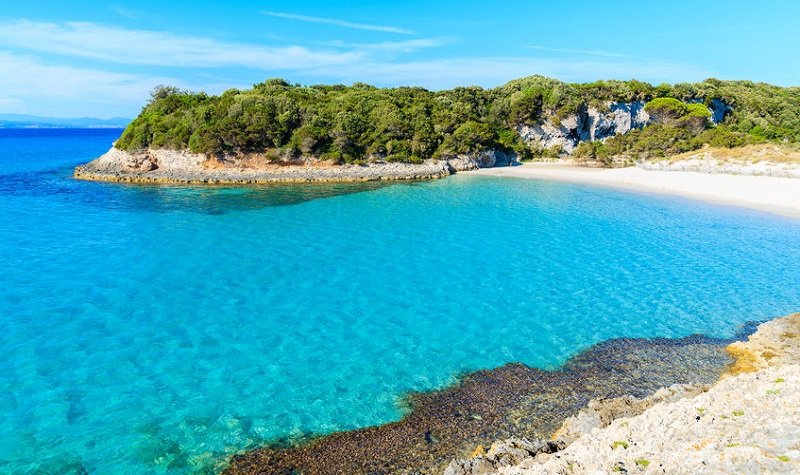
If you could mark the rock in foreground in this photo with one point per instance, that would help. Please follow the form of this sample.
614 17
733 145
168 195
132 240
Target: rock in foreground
749 422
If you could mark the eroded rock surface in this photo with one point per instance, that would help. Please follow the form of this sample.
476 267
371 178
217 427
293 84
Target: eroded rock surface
171 166
593 124
748 422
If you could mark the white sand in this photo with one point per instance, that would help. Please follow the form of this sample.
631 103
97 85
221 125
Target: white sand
775 195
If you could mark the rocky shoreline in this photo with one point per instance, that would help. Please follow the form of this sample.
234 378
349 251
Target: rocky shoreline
181 167
511 401
690 405
709 164
747 422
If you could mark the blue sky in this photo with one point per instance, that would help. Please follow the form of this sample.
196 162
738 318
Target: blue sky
100 58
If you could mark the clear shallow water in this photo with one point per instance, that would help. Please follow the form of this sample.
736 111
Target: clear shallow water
157 329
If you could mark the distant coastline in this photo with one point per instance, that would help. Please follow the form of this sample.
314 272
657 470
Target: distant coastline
23 121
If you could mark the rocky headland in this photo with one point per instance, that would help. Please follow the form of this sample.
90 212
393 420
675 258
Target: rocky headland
164 165
174 166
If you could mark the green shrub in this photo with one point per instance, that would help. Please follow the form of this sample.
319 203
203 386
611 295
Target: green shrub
666 109
341 123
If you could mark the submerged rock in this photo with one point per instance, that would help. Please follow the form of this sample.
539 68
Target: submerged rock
516 402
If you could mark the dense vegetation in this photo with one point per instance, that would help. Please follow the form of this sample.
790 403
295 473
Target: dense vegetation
362 122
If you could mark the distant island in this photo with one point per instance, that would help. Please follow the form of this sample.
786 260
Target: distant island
23 121
279 131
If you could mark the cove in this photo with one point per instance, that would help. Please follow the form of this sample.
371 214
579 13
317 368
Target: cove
162 329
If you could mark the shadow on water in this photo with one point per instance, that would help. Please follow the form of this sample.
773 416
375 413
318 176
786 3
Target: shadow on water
208 199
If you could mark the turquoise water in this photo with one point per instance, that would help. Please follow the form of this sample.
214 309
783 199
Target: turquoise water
158 329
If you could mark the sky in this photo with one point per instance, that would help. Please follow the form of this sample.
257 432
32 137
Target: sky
93 58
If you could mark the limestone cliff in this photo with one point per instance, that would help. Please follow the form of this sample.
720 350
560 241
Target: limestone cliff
590 124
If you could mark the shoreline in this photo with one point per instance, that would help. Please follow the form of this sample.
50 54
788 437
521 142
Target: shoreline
513 400
618 406
163 166
777 195
747 420
773 194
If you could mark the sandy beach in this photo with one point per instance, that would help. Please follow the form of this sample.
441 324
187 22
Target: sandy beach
771 194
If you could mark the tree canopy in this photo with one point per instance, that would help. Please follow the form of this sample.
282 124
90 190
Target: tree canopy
410 124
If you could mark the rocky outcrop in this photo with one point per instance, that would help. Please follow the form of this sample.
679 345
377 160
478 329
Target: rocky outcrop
506 453
703 163
748 422
600 413
485 159
719 110
591 124
171 166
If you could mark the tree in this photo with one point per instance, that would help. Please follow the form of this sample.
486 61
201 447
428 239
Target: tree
665 109
527 107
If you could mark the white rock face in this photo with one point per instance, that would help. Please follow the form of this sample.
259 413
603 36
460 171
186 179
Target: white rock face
167 160
746 424
593 124
620 118
485 159
546 135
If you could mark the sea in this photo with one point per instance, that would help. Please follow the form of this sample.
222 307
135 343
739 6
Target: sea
162 329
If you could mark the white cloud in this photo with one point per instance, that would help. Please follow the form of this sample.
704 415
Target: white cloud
27 85
143 47
407 46
493 71
584 52
341 23
127 12
47 81
30 85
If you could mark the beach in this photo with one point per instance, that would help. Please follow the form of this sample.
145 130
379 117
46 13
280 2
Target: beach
765 193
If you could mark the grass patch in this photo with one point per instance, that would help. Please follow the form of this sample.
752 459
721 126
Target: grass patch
642 462
738 413
619 443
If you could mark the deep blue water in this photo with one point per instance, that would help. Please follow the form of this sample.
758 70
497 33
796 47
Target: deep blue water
157 329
